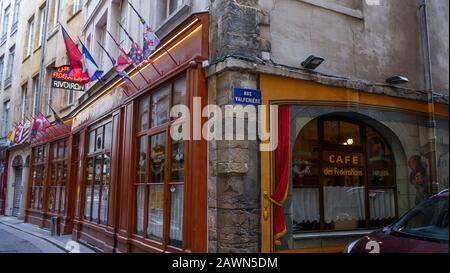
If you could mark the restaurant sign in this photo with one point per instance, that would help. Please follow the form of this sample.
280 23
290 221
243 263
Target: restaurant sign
343 164
61 79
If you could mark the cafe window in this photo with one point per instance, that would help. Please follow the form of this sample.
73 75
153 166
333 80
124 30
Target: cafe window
160 181
343 177
38 177
98 174
58 176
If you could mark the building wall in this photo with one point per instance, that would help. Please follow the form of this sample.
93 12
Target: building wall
362 45
13 38
438 17
358 40
29 67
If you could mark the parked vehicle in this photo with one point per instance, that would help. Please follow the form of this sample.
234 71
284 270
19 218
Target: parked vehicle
424 229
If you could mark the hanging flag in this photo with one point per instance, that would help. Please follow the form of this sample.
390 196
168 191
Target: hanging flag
11 136
136 54
18 133
120 65
25 134
75 58
40 123
151 40
119 46
90 66
58 120
124 60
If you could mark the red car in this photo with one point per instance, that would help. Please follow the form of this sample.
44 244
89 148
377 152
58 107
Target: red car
424 229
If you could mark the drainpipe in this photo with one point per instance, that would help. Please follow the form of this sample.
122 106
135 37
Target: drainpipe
43 48
426 51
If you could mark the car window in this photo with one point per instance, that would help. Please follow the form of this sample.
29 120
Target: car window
428 221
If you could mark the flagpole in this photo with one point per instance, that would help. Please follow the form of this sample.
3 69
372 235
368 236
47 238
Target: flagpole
145 24
151 62
128 57
132 40
113 62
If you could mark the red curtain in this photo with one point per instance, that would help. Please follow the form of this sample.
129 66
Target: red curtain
282 159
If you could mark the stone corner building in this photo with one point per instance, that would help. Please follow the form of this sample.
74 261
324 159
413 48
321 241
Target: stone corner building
400 133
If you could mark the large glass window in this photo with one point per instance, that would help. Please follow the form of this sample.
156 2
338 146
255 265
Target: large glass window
343 177
58 176
160 180
98 173
38 177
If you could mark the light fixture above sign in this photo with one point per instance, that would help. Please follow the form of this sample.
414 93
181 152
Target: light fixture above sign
312 62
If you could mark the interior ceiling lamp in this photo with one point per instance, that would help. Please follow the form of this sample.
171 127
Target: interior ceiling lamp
397 80
312 62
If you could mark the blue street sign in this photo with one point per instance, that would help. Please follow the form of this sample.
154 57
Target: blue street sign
247 96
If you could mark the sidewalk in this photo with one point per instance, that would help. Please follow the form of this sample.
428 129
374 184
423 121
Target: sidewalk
63 243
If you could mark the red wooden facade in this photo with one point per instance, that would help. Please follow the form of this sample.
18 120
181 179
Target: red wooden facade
101 182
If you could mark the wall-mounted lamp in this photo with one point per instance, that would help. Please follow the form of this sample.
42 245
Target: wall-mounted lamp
312 62
397 80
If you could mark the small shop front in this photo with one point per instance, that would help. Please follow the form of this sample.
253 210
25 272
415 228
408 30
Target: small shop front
123 184
351 162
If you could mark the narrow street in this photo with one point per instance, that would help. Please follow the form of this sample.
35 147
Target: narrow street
15 241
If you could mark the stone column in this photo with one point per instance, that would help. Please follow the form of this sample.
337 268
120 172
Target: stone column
234 188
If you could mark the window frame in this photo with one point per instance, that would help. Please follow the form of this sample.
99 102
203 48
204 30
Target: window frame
2 65
23 100
10 66
5 25
39 162
36 95
93 156
58 183
362 149
149 133
30 37
16 16
5 117
41 37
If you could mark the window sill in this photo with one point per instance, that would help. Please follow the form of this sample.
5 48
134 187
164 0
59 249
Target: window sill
332 234
26 58
52 33
355 13
8 83
2 42
74 15
36 50
68 107
13 31
167 25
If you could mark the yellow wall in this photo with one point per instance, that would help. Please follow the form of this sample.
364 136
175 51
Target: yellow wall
279 90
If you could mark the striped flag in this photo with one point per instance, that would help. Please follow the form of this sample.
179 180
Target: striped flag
26 132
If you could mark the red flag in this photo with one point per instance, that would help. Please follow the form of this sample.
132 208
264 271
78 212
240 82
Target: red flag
122 63
40 123
73 53
75 59
19 130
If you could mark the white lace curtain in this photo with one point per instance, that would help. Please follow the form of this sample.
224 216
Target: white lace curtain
342 204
